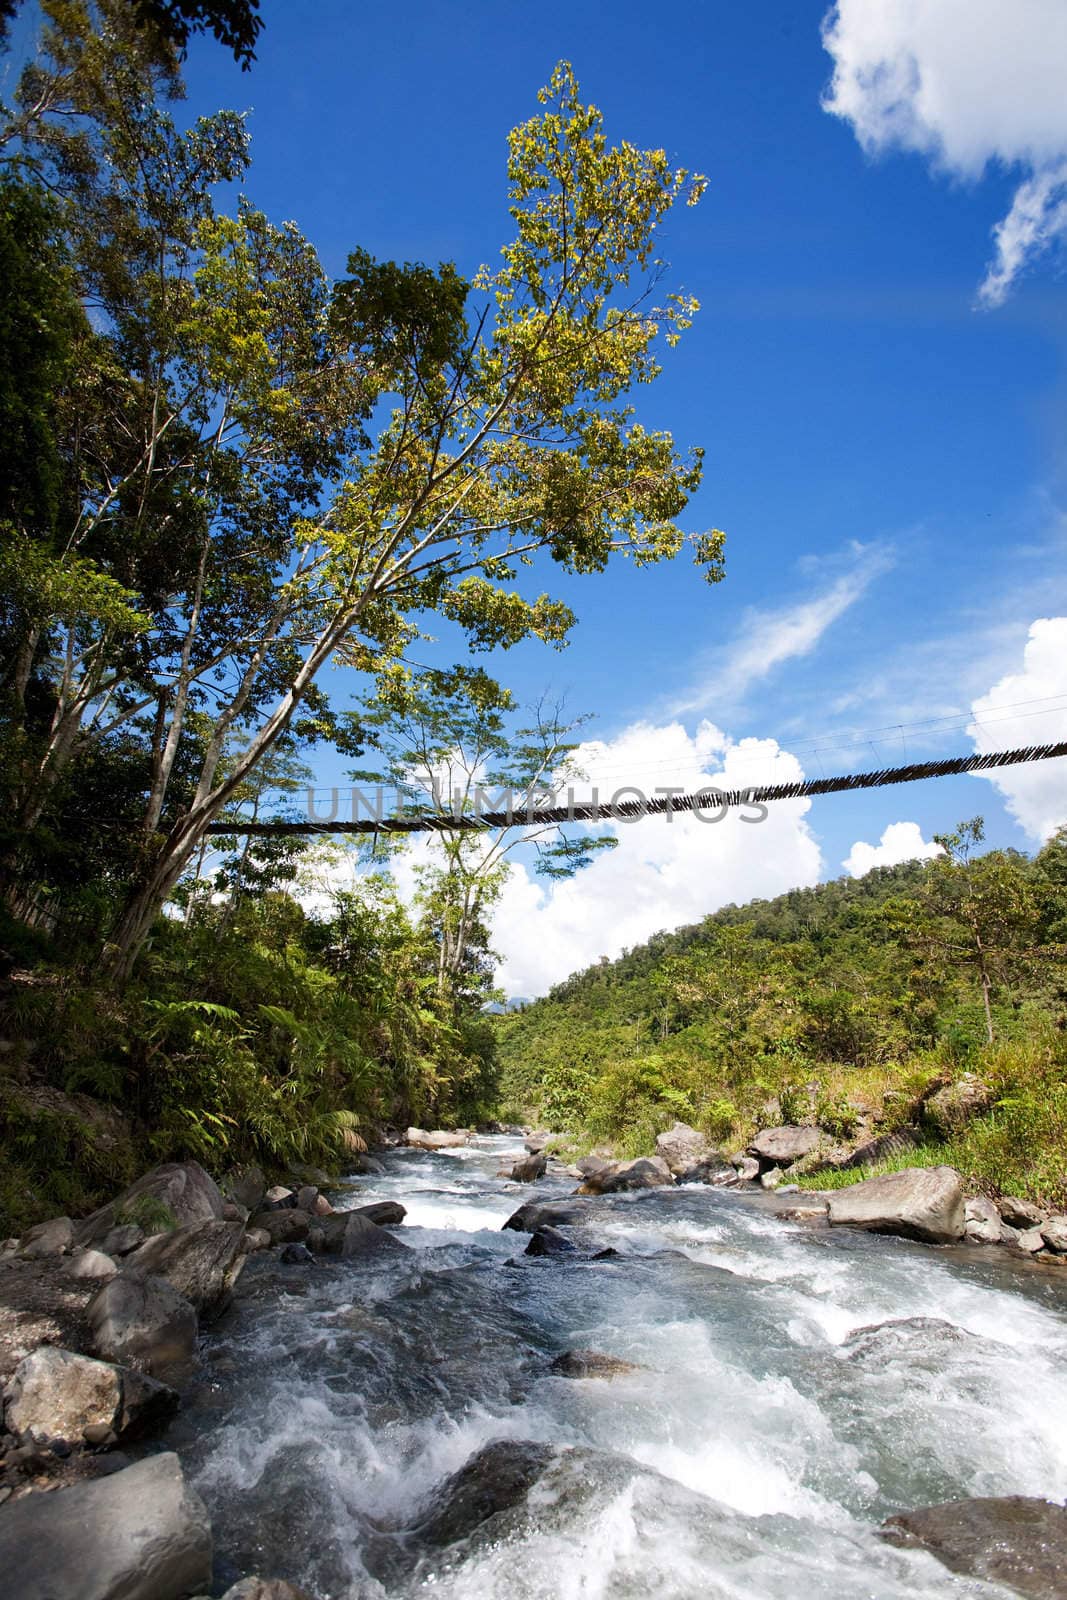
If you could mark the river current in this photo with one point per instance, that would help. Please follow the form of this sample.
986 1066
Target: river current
754 1453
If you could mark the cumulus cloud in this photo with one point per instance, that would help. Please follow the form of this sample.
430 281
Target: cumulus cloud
967 84
901 841
663 872
768 638
1025 708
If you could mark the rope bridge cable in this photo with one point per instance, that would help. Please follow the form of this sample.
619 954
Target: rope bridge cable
629 810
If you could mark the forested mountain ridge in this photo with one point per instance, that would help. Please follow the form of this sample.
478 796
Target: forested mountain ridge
847 1004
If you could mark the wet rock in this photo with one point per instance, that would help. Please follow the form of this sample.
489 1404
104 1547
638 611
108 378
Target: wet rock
141 1534
1029 1241
747 1169
812 1214
1011 1540
265 1589
535 1142
369 1164
1020 1213
203 1262
57 1394
256 1239
548 1214
386 1213
714 1170
952 1108
780 1147
1054 1233
141 1321
172 1196
279 1198
591 1364
924 1203
646 1172
47 1238
550 1242
316 1241
285 1226
983 1223
232 1212
683 1148
439 1139
307 1198
530 1168
296 1255
120 1241
246 1186
908 1342
90 1264
497 1478
349 1233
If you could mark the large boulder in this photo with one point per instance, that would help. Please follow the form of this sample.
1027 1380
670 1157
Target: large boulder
349 1233
924 1203
646 1172
171 1196
141 1534
1011 1540
246 1186
141 1321
498 1477
50 1238
950 1110
386 1213
286 1226
530 1168
780 1147
439 1139
55 1394
548 1214
683 1148
203 1262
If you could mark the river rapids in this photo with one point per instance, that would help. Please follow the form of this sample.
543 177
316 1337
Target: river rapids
754 1453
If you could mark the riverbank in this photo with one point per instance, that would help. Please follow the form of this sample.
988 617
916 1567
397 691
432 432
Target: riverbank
781 1392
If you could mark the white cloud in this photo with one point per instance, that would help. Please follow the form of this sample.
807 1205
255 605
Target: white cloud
901 841
662 873
769 638
1027 708
967 84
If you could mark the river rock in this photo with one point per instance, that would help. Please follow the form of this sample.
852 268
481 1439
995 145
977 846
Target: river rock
369 1165
386 1213
307 1198
120 1241
279 1198
88 1264
535 1142
439 1139
349 1233
550 1242
265 1589
257 1239
548 1214
983 1223
924 1203
1054 1233
285 1226
50 1238
141 1534
714 1170
1011 1540
771 1179
646 1172
172 1196
530 1168
953 1107
780 1147
683 1148
55 1394
747 1169
498 1477
141 1321
1029 1241
203 1262
591 1364
1020 1213
246 1186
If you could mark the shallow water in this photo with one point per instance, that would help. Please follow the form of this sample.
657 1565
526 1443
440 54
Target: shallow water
754 1455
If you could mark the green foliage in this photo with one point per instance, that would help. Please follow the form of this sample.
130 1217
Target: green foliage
846 1003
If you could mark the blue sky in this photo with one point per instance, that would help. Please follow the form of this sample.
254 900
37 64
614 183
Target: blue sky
886 452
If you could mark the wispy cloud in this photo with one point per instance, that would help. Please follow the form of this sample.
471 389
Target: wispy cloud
767 639
967 84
